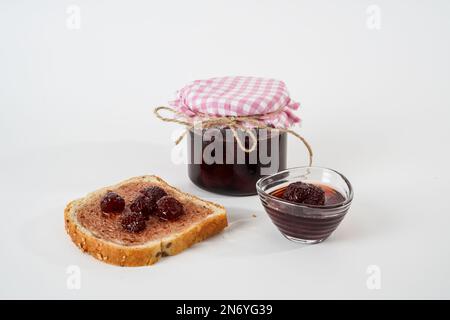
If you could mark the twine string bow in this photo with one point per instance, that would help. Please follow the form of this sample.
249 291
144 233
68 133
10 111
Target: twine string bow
233 122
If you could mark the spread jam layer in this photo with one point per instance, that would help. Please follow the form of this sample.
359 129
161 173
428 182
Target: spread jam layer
109 227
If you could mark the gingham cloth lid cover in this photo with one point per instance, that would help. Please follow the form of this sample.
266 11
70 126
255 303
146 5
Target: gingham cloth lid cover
238 96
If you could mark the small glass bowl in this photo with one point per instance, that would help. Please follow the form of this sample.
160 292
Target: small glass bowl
302 222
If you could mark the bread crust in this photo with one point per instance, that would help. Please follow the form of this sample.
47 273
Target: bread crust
152 251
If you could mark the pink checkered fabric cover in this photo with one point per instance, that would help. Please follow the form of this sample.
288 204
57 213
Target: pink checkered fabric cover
238 96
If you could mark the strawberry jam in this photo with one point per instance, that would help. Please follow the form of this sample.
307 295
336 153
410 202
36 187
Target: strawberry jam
306 222
218 164
331 196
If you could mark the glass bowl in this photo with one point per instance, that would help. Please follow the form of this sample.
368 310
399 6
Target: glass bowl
303 222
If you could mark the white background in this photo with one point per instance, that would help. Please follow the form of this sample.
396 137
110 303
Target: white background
75 115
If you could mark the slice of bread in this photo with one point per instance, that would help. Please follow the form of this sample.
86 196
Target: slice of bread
103 238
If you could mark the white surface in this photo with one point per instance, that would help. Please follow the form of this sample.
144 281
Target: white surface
76 115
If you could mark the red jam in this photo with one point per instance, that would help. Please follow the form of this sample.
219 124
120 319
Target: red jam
332 196
309 223
232 171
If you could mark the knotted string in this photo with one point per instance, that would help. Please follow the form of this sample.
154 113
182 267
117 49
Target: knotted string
233 122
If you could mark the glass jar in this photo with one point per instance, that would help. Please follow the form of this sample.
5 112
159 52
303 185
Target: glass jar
306 223
218 164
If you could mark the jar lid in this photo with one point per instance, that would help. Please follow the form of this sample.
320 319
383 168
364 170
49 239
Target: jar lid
238 96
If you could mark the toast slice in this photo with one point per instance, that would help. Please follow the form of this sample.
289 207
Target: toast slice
105 239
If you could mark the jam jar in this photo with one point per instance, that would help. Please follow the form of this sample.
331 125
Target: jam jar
217 163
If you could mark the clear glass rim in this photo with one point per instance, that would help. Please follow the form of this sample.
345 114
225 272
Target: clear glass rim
347 201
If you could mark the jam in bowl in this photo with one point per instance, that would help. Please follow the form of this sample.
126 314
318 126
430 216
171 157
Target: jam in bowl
306 203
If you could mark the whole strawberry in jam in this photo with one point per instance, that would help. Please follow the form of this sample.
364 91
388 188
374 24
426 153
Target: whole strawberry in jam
305 193
112 203
143 205
169 208
154 193
133 222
